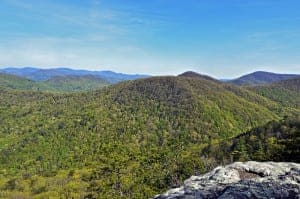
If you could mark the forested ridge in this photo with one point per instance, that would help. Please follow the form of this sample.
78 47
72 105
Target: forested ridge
68 83
285 92
130 140
275 141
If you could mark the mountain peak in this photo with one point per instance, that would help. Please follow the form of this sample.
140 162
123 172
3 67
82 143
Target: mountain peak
193 74
262 77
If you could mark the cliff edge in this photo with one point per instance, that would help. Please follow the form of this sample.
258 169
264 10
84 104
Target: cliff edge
242 180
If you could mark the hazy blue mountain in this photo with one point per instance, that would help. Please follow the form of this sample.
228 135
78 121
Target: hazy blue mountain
37 74
261 77
24 72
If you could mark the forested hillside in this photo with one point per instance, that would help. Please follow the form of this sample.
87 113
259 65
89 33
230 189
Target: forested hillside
76 83
274 141
130 140
55 84
14 82
286 92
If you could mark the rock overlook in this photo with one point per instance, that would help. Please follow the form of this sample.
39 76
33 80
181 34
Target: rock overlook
242 180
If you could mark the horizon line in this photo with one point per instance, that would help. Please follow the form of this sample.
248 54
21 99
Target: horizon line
143 74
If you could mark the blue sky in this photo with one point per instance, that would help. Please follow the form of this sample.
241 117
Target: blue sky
220 38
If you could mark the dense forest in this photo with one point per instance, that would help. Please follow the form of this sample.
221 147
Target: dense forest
274 141
137 138
286 92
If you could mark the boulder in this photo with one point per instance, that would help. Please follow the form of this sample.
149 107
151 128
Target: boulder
242 180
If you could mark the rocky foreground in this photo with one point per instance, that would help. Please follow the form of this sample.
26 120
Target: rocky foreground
242 180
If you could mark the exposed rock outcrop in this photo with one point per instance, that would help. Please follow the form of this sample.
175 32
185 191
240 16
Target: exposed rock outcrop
242 180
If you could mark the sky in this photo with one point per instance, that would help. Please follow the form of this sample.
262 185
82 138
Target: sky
221 38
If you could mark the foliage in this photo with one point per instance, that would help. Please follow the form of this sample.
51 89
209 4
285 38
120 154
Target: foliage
286 92
274 141
131 140
55 84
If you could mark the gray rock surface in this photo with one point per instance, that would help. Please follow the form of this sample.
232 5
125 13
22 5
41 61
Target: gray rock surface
242 180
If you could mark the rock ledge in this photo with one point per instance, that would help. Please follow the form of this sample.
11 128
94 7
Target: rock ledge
242 180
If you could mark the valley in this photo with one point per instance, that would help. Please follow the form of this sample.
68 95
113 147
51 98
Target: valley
160 99
138 138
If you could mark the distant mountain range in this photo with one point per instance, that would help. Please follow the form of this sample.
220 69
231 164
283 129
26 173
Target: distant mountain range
261 77
37 74
68 83
70 80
